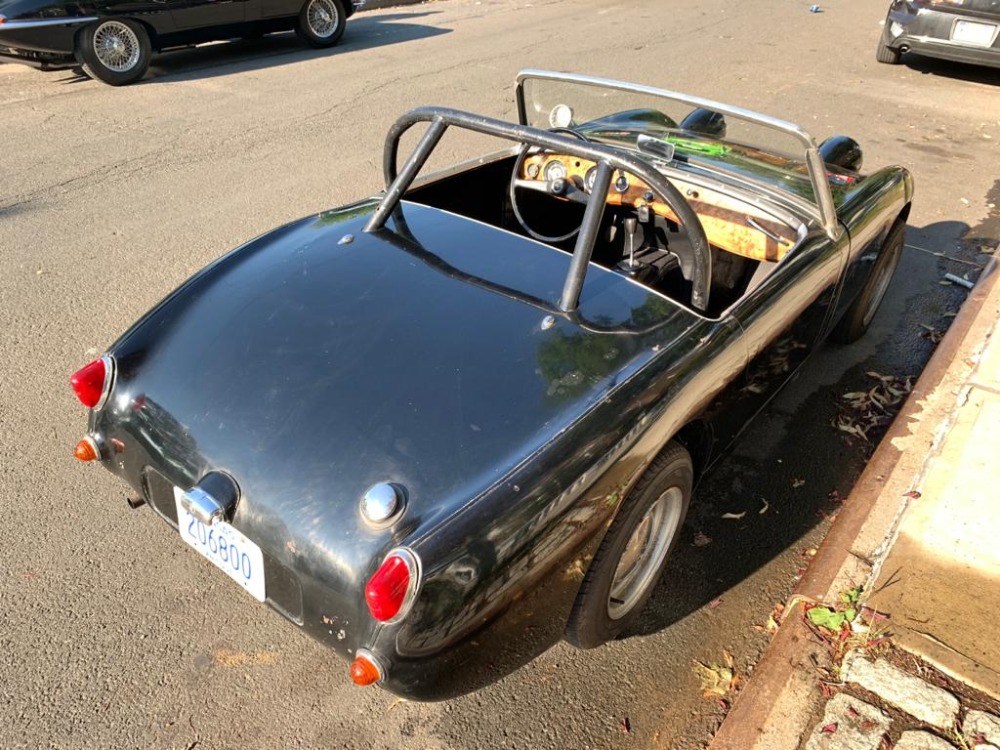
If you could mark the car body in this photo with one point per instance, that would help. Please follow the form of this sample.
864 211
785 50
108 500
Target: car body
450 444
114 40
966 31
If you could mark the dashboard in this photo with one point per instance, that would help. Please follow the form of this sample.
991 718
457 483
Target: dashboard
730 224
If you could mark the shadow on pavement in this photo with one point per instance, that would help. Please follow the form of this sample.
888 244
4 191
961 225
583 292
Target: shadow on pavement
217 59
792 469
949 69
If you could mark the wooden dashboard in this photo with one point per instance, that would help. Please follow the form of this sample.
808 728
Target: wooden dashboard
726 220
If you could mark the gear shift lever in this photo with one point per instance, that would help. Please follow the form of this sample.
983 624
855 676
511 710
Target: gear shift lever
630 226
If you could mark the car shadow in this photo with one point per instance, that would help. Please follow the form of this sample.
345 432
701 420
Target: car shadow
768 503
948 69
217 59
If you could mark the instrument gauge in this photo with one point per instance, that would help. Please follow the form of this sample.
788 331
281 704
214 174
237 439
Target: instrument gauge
561 116
589 179
555 170
621 183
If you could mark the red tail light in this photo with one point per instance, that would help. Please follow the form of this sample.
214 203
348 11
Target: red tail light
92 383
390 592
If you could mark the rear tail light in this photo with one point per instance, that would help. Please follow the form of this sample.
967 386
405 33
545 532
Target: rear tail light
92 383
391 590
365 669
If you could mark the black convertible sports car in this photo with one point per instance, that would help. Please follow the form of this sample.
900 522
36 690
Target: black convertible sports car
961 30
446 426
114 41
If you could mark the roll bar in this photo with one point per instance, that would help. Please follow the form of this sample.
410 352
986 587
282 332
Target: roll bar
607 159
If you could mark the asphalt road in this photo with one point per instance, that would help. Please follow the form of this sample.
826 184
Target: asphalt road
114 634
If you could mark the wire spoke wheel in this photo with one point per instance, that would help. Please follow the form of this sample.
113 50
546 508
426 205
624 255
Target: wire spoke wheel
116 46
644 552
322 18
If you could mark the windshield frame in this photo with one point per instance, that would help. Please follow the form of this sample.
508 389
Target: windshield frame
824 211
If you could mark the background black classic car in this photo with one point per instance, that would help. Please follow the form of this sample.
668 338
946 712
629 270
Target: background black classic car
444 427
114 41
962 30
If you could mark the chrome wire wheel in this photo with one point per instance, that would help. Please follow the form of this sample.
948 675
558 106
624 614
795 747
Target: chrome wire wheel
322 18
116 46
644 552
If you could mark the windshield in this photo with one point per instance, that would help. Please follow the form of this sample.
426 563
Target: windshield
675 128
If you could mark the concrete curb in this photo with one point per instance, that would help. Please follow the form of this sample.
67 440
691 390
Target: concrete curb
776 703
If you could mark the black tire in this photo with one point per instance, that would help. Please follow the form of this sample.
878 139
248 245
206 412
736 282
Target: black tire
862 311
886 54
114 50
597 616
321 22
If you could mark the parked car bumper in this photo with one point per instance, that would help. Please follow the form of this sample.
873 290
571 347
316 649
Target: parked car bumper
917 27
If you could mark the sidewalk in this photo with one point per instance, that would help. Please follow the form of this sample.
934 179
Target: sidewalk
919 536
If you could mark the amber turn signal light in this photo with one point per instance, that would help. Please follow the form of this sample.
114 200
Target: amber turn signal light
86 450
364 670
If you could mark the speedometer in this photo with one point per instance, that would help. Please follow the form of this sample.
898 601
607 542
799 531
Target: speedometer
555 170
589 179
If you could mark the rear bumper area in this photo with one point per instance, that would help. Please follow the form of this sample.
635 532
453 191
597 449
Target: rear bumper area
915 27
45 37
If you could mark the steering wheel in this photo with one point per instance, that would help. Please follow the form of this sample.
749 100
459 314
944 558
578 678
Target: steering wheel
561 188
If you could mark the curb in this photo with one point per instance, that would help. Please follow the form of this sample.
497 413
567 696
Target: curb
774 707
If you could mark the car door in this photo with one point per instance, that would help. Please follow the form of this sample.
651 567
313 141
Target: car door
203 14
278 8
783 317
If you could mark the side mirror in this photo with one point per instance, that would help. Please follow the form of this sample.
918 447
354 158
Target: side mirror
706 122
841 151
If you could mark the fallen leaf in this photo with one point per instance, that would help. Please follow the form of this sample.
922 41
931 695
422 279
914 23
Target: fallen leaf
829 728
714 603
716 680
826 617
625 725
912 493
734 516
701 540
796 483
873 615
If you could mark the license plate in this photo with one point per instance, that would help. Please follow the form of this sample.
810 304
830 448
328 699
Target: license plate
969 32
225 547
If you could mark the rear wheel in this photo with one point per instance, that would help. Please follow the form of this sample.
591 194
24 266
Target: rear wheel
116 51
862 311
886 54
321 22
631 558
